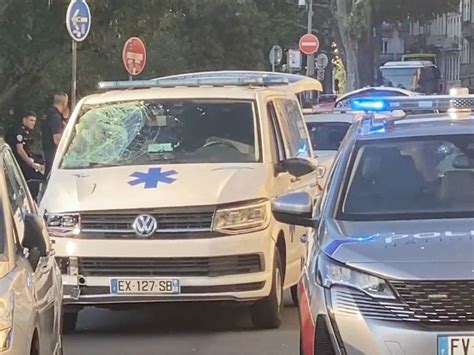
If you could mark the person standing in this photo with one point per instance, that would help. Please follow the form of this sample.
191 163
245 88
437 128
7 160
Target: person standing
53 127
20 141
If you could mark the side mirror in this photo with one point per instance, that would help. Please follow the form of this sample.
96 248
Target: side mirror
33 239
297 167
294 209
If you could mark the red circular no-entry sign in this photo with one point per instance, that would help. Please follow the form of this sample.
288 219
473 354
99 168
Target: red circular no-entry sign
134 56
309 44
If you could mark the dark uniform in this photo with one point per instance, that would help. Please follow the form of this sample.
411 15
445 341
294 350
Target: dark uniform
53 124
22 135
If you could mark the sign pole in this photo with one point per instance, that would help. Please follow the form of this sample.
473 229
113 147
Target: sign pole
78 24
74 75
130 78
310 57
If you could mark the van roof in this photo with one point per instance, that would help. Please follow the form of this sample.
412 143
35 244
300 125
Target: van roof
226 92
409 64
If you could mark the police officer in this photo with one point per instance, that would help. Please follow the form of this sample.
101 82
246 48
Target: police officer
20 141
53 127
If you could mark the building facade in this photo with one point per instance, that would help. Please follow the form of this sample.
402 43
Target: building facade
467 59
444 37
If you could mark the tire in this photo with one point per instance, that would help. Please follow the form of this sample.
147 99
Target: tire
294 295
266 313
35 349
69 322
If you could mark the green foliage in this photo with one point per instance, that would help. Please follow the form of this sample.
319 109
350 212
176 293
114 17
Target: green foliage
180 35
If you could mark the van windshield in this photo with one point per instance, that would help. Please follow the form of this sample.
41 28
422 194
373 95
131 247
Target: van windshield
401 78
159 131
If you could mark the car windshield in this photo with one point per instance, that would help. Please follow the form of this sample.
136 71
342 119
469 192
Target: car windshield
410 178
402 78
175 131
327 135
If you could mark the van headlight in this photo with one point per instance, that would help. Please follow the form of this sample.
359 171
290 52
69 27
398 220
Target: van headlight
329 272
242 219
63 225
7 304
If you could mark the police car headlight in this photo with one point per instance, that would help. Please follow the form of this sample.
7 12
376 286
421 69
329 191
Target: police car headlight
330 272
63 225
242 219
7 305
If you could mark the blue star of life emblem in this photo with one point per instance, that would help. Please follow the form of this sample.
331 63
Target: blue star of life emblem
152 178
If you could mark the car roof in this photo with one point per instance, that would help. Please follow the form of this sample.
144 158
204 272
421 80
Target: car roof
402 92
330 117
422 125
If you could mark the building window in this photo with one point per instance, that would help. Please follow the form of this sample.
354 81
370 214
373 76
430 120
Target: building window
466 52
384 46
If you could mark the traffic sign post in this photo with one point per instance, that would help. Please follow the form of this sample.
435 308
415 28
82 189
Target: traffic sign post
78 24
134 56
322 61
309 44
275 57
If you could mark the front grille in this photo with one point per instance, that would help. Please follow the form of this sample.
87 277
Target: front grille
438 301
169 267
322 343
425 302
122 222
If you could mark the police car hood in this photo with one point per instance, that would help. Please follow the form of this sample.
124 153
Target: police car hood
138 187
428 249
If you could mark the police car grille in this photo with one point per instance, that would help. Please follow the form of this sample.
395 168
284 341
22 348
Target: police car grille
169 267
429 303
443 302
122 222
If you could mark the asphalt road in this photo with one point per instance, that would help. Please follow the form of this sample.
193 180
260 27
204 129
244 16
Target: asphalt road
180 329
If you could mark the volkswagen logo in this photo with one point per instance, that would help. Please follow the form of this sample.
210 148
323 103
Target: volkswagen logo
145 226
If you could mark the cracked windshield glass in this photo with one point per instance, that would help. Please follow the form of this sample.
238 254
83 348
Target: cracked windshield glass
213 177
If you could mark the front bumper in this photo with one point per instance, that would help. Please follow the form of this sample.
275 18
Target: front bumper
326 324
85 288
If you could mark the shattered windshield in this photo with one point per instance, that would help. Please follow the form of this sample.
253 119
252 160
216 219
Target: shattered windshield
175 131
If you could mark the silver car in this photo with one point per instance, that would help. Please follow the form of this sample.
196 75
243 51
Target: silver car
391 267
327 130
30 281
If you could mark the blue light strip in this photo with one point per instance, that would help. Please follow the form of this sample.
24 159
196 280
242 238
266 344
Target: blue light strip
413 103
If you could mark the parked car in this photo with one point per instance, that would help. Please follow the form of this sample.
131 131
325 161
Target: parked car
30 281
327 131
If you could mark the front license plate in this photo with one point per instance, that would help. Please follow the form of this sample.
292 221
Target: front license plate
144 286
456 345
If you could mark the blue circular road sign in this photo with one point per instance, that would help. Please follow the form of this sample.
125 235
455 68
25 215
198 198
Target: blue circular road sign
78 20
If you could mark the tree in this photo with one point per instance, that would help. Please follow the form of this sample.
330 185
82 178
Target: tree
180 35
354 22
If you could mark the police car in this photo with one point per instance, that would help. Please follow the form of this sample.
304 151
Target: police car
391 269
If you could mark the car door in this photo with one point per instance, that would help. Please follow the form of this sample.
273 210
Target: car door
291 141
46 288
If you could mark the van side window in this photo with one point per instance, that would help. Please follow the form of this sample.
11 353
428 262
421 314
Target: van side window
276 132
293 129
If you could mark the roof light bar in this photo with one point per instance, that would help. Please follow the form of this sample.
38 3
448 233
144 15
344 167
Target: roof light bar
413 103
192 82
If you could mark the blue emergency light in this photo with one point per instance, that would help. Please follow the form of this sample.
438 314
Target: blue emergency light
369 104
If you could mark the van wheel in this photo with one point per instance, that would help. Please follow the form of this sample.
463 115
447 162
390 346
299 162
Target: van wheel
294 295
266 313
69 322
